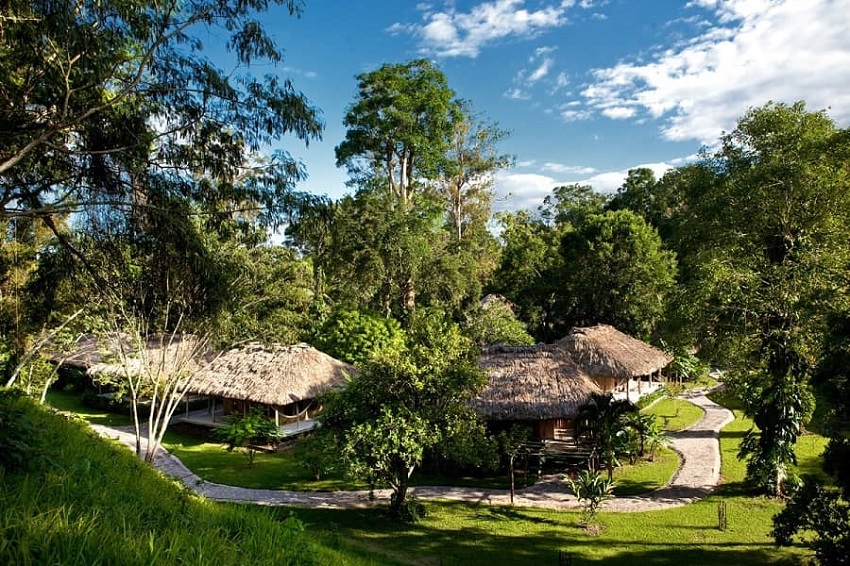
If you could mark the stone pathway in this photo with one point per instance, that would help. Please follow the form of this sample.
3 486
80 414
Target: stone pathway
698 475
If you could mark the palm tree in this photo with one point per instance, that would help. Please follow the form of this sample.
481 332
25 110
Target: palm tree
602 420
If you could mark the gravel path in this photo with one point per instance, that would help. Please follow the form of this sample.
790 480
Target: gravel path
698 474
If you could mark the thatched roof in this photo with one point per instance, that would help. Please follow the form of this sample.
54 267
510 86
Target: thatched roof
276 375
161 355
89 350
531 383
604 351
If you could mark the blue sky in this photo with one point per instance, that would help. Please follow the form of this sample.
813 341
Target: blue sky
587 88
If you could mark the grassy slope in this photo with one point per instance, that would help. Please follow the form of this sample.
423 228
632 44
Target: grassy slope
90 501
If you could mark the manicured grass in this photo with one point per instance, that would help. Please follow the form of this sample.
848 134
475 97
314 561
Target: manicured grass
733 471
286 470
469 534
72 403
673 415
282 470
646 476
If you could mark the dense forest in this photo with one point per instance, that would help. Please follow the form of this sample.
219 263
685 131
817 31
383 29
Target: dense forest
136 186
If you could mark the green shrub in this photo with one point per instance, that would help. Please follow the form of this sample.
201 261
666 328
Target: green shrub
816 508
248 432
19 444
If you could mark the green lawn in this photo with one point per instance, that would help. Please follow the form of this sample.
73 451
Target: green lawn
72 403
646 476
732 470
673 415
286 470
470 534
282 470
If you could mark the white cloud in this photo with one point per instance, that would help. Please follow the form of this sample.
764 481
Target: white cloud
521 191
571 113
619 112
541 62
526 191
516 93
453 33
567 169
610 181
541 71
755 51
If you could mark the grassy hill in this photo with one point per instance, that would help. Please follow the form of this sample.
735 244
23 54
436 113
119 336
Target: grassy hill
84 500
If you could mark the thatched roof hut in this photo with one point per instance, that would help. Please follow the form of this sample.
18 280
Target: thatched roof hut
277 375
531 383
603 350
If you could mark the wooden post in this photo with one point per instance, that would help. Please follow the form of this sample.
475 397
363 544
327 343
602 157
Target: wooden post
512 477
276 417
213 408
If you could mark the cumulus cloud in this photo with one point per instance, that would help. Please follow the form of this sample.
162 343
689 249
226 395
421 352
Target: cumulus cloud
609 181
526 191
521 191
567 169
753 51
619 112
453 33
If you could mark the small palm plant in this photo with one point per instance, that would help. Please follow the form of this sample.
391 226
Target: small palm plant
602 420
592 490
655 438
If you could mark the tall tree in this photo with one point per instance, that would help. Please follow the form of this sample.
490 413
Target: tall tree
616 271
569 205
416 231
467 176
399 127
769 264
114 109
529 271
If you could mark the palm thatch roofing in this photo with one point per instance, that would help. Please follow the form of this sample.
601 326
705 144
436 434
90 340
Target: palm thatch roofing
530 383
89 350
277 375
162 355
604 351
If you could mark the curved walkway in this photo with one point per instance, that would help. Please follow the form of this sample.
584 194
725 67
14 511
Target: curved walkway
698 474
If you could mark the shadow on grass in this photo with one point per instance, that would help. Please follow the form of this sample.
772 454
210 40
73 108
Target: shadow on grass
513 514
632 487
467 536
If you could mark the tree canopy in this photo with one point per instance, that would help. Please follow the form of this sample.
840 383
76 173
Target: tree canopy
768 219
